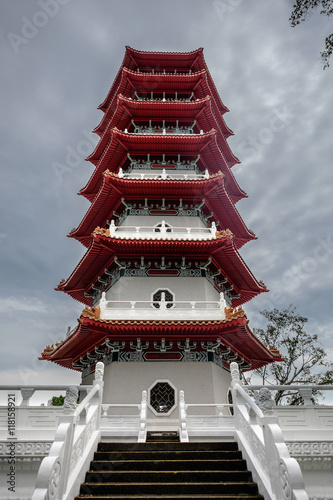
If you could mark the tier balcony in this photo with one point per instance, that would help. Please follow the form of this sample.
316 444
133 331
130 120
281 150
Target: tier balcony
163 128
162 231
183 310
164 175
164 96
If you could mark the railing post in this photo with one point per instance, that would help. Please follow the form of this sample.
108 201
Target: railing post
183 434
112 229
163 303
26 393
99 374
102 304
143 419
306 394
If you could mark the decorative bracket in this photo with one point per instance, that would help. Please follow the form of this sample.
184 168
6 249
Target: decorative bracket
210 346
138 347
187 347
163 265
162 347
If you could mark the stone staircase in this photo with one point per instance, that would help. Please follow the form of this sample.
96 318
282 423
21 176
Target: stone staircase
165 468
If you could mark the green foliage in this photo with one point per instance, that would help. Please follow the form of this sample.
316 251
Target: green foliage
304 359
58 400
301 12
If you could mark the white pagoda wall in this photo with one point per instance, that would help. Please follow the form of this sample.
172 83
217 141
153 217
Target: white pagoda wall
202 383
173 220
139 288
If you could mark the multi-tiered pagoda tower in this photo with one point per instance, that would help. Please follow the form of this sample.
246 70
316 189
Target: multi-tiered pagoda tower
162 280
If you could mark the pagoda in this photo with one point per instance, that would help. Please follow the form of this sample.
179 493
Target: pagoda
162 281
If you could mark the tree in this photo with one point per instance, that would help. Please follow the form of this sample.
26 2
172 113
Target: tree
58 400
301 12
304 359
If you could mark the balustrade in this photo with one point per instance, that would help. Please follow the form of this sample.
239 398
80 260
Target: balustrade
164 129
163 231
163 97
164 175
153 309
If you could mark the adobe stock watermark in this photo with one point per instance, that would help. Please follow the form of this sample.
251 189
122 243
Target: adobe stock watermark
223 7
74 156
30 27
256 143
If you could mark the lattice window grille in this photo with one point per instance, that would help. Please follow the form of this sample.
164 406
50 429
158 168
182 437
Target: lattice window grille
162 397
157 228
169 297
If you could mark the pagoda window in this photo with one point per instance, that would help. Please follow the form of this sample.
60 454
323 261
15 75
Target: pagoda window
162 397
162 227
163 297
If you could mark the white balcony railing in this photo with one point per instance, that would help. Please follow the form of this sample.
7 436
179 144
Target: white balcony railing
163 174
154 309
162 231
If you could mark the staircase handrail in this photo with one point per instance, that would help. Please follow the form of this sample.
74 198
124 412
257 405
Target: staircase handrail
260 439
292 387
62 471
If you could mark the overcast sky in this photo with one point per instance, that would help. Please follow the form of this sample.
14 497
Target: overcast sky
58 63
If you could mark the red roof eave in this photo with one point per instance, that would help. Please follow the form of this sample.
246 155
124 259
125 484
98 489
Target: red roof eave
92 333
114 188
128 109
191 145
103 248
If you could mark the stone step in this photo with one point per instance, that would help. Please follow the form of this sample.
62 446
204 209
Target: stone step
177 464
175 497
162 489
158 436
202 496
168 469
197 446
168 455
175 476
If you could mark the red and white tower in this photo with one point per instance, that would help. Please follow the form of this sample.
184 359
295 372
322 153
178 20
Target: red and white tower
162 280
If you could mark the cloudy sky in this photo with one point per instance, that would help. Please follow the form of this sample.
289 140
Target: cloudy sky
58 60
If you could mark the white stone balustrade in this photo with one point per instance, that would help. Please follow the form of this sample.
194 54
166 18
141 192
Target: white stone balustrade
163 231
77 435
261 441
163 174
153 309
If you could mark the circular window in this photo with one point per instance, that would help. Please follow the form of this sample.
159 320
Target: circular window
162 398
163 295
